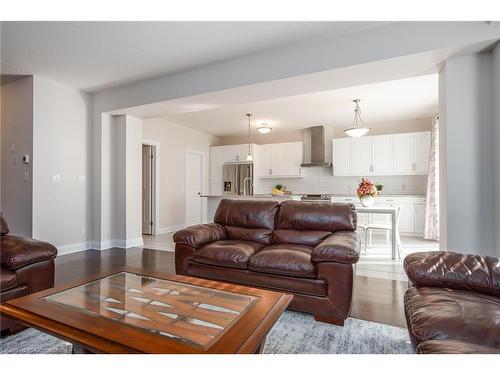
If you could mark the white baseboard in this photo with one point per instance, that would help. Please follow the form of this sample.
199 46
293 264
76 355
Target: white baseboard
74 248
173 228
120 243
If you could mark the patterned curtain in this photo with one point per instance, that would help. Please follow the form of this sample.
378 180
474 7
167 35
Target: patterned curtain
431 230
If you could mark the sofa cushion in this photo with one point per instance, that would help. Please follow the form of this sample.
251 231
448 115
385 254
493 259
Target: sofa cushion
447 314
247 220
228 253
21 251
308 223
7 279
284 259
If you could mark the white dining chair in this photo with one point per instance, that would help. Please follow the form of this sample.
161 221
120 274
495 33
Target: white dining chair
387 227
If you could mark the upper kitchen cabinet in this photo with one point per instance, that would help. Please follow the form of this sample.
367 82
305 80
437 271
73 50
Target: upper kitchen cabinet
382 155
361 156
342 156
412 153
280 160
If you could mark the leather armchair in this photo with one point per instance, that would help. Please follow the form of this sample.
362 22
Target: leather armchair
305 248
453 305
27 266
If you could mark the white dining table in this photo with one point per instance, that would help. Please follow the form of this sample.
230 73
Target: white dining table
388 210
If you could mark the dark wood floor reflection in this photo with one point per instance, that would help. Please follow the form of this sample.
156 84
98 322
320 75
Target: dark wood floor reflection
376 300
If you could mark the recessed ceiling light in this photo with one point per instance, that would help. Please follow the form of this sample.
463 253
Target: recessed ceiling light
264 129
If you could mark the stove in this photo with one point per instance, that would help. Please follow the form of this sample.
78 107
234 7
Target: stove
316 197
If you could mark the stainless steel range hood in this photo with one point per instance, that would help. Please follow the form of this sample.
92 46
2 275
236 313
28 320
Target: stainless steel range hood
314 147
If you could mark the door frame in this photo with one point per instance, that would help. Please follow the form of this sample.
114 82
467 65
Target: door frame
203 211
155 186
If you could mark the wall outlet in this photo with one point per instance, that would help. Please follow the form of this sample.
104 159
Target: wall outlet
56 177
80 179
26 176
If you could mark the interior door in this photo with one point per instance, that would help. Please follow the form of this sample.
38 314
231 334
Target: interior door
194 187
147 190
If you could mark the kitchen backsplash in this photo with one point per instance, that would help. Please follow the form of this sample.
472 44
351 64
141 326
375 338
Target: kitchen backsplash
319 180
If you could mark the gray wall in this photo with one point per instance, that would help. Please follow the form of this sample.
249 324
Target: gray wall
466 90
496 105
17 140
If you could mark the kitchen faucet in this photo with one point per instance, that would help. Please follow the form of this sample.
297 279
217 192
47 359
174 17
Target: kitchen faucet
245 185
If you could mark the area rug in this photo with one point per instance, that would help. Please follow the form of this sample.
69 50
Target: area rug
294 333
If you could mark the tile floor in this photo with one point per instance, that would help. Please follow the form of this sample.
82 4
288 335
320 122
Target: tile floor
375 263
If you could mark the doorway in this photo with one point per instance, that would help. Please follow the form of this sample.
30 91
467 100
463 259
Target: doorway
194 187
149 189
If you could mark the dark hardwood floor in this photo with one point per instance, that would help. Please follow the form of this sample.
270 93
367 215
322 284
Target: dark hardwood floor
375 300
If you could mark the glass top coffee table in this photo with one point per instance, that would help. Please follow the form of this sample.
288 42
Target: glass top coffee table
130 310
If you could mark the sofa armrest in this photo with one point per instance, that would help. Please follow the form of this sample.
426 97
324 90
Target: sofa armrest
447 269
340 247
198 235
17 252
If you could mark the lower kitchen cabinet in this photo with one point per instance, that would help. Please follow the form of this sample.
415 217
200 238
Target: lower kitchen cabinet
411 217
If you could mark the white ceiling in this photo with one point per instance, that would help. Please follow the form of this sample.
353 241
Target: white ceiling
91 56
402 99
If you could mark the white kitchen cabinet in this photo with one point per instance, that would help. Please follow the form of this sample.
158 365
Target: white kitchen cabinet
407 218
362 156
293 160
342 156
281 160
265 164
278 159
404 153
411 152
419 219
422 152
383 154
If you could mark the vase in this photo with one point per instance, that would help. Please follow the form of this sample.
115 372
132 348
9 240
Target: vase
367 200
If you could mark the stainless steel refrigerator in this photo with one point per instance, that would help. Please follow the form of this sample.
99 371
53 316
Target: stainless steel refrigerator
238 178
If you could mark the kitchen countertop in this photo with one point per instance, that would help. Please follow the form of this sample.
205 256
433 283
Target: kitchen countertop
288 196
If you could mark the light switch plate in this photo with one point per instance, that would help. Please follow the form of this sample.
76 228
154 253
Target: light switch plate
56 177
81 179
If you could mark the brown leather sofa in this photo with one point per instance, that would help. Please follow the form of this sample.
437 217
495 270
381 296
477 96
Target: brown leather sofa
305 248
27 266
454 303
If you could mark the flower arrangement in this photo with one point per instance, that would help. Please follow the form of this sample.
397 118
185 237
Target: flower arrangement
279 190
367 188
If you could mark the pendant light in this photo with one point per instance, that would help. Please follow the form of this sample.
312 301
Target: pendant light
249 155
356 130
264 128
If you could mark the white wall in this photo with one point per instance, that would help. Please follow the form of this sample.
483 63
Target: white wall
174 140
496 140
61 146
468 170
17 140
